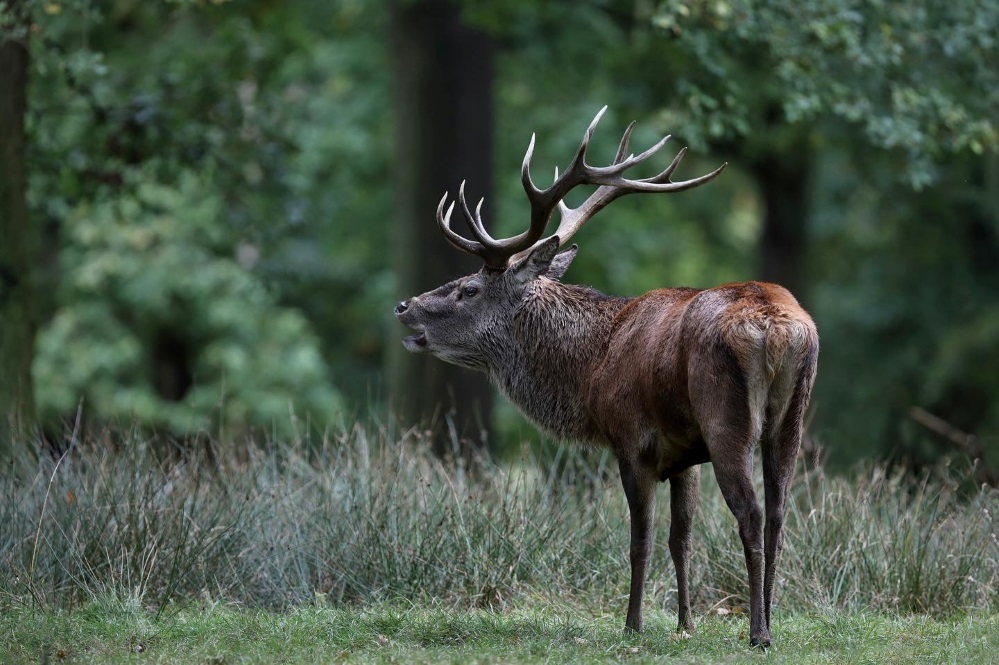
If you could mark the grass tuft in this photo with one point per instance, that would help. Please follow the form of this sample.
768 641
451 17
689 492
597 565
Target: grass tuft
360 519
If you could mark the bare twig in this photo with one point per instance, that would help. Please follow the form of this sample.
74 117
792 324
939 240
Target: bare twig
968 443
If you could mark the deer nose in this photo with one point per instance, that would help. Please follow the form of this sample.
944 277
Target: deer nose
402 307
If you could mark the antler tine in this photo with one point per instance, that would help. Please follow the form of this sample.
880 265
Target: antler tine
668 172
664 177
525 169
444 222
543 199
580 156
621 165
622 149
668 185
544 202
563 209
475 221
494 253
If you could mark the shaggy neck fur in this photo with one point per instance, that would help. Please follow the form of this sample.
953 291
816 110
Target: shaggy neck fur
558 334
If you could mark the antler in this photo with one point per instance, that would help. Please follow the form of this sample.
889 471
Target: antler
498 254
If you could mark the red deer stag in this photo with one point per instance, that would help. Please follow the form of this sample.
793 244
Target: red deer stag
667 380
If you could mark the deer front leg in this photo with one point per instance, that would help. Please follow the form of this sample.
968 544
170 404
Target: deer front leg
683 501
641 492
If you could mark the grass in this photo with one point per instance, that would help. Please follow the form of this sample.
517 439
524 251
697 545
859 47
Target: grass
384 634
319 548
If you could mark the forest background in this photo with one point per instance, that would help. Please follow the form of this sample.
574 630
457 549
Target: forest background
208 209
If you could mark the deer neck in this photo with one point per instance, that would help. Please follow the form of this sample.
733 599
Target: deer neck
558 335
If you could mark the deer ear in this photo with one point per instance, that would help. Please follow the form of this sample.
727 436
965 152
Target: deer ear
561 262
536 263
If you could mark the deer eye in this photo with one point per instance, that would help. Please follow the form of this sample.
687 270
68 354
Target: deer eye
470 291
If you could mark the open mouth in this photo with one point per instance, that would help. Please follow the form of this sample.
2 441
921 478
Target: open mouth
417 342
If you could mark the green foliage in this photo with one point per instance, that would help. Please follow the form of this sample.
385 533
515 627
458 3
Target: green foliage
140 267
905 285
193 187
915 77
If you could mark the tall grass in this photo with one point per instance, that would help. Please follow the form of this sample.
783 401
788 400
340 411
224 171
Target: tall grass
365 517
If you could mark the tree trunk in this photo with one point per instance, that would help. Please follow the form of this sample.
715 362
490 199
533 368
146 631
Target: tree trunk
443 94
17 327
784 188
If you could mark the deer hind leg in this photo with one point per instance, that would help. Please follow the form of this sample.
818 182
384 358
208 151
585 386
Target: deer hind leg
778 467
782 440
640 488
723 405
734 474
683 501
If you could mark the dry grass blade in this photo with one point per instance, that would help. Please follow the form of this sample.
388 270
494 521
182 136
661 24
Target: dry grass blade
48 490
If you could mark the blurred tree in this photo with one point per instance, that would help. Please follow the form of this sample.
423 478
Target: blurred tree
162 327
17 246
907 299
169 176
444 123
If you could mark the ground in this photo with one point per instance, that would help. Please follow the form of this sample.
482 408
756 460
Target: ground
216 633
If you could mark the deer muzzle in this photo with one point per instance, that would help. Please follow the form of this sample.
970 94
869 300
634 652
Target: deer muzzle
413 343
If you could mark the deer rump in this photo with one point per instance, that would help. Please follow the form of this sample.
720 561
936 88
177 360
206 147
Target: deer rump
683 363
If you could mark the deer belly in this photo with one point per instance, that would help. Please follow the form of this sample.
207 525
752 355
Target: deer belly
669 455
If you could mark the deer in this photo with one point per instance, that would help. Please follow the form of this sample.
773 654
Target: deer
668 380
